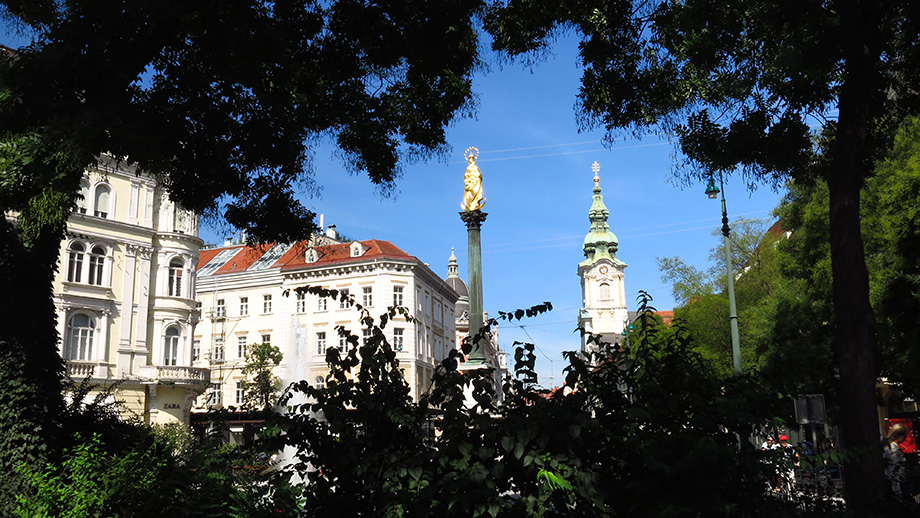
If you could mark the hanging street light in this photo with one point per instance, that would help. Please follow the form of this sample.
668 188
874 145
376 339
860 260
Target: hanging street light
713 192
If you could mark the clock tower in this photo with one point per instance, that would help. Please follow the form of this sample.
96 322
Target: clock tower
603 293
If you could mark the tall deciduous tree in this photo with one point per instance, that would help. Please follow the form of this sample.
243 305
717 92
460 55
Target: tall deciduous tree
705 309
740 83
222 100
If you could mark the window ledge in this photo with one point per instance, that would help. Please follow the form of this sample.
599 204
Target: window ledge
84 288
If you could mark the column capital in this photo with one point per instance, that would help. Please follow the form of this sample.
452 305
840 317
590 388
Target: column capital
473 218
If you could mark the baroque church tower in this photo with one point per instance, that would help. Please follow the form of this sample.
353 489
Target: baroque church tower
603 292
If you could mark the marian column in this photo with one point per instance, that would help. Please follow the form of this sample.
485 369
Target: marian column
472 215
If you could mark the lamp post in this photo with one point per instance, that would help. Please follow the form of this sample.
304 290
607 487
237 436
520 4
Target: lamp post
713 192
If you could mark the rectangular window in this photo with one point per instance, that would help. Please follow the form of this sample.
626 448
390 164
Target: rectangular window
75 265
266 304
239 392
343 343
367 335
196 350
321 343
344 301
398 338
220 311
241 347
301 302
217 397
266 339
368 296
397 296
218 353
321 304
96 262
244 306
171 347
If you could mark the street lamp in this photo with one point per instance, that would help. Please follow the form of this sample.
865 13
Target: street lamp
712 191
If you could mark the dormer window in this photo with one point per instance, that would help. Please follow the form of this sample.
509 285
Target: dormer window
357 249
312 255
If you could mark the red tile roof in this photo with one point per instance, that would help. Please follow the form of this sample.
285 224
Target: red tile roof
295 256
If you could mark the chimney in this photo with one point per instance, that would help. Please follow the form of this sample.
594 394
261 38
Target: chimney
330 232
322 218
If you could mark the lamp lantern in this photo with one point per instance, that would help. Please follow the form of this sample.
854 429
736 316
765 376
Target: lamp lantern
711 190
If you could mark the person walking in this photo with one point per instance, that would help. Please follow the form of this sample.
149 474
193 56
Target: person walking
895 463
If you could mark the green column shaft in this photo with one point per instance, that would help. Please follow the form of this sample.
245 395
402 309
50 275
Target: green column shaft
475 292
473 220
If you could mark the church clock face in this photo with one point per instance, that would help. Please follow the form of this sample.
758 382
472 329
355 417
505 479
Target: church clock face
603 270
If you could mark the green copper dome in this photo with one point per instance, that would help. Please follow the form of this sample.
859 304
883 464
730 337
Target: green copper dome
600 243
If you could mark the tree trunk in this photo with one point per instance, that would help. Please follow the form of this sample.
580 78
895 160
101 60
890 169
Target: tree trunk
855 332
30 367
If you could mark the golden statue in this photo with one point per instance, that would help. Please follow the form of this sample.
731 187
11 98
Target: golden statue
472 183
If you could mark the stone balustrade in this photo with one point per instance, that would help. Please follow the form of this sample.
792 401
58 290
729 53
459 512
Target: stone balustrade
176 374
79 370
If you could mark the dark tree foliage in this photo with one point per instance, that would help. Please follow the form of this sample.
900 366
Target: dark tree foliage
740 83
643 428
223 101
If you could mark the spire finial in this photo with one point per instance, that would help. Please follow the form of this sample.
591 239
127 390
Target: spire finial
452 267
596 168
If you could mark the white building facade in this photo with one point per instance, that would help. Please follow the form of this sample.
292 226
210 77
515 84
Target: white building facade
124 293
246 295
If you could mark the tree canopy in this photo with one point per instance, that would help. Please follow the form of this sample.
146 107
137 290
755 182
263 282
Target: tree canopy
225 100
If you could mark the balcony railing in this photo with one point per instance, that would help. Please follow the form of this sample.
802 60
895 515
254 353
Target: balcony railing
177 374
79 370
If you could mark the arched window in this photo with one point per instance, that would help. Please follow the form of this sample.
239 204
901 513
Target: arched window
96 263
605 291
171 346
175 278
103 196
319 382
83 198
75 262
80 337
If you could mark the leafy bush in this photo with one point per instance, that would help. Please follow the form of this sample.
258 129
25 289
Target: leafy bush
642 428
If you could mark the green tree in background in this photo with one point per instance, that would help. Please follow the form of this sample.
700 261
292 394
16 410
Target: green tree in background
262 387
739 84
703 298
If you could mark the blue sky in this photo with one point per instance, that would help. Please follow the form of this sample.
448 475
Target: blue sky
537 179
